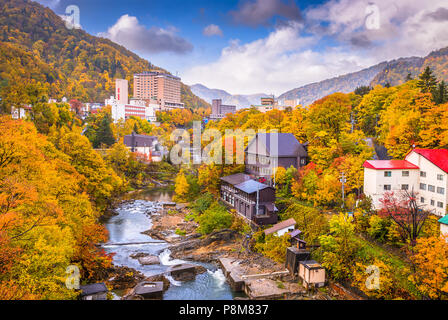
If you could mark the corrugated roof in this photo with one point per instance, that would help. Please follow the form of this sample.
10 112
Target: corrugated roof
444 220
251 186
283 144
93 289
389 164
437 156
280 226
235 179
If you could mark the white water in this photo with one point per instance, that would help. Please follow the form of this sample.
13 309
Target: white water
218 276
166 260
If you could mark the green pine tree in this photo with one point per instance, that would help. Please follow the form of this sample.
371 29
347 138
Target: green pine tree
427 81
104 134
441 93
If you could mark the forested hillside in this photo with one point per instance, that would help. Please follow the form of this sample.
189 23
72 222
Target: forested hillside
35 46
398 72
391 73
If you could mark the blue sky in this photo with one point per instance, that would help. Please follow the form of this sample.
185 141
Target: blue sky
270 46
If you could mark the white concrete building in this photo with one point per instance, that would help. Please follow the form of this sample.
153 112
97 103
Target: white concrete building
122 91
423 170
20 113
382 176
136 108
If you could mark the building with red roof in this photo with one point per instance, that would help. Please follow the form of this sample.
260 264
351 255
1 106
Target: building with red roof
423 170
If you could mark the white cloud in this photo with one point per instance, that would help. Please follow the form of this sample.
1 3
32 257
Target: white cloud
212 30
134 36
296 54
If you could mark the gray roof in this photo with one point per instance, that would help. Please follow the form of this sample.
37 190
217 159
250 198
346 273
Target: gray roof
251 186
288 146
295 233
140 140
93 289
235 179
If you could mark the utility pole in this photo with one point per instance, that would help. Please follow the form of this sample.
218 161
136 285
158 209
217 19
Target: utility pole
343 180
275 171
258 199
352 121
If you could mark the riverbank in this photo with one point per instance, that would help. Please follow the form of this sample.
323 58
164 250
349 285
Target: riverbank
227 245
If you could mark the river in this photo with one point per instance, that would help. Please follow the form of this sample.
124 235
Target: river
134 216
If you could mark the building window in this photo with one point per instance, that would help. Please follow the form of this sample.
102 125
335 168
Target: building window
423 174
431 188
388 173
422 200
422 186
440 205
405 173
387 187
440 190
432 202
440 177
404 187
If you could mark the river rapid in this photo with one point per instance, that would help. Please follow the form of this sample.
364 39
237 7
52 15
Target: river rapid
133 217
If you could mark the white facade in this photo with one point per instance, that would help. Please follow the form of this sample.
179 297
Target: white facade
136 108
285 230
121 91
432 184
428 180
444 229
18 113
379 181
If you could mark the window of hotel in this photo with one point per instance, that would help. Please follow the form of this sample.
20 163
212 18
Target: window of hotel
440 190
388 173
422 186
423 174
431 188
433 202
440 177
387 187
404 187
405 173
422 200
440 204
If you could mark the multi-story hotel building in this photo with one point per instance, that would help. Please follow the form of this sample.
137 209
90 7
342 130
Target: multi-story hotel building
423 170
220 110
162 87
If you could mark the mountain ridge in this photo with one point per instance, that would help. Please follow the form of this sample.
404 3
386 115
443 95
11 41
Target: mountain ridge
239 100
70 63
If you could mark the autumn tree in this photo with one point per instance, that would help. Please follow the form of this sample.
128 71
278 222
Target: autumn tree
430 259
404 210
181 186
339 247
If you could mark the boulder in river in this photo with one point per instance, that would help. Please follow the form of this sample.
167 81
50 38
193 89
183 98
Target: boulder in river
149 260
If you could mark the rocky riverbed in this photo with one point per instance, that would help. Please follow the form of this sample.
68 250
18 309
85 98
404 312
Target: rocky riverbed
138 257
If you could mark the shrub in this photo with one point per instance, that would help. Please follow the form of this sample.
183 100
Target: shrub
379 228
202 203
274 247
214 218
241 226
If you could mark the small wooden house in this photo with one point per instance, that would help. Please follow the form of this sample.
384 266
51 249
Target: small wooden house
312 273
